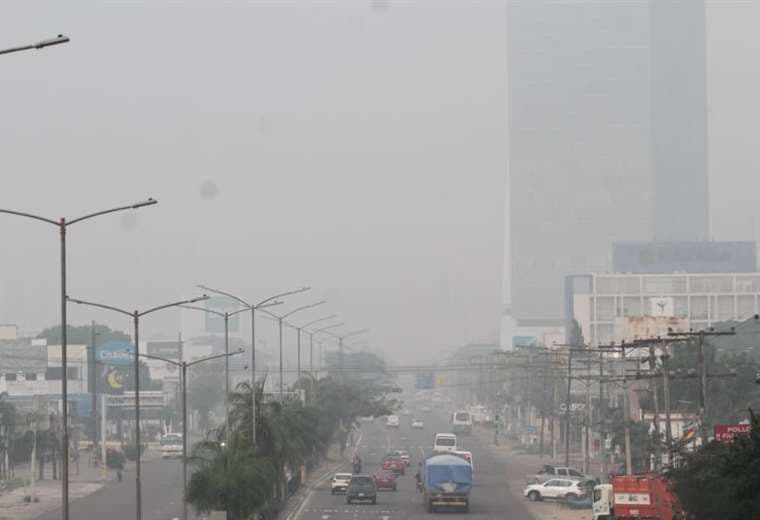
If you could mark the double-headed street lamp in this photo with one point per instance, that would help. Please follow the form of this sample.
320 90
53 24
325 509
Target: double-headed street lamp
321 331
226 317
136 315
311 342
62 225
39 45
183 365
341 338
253 308
280 319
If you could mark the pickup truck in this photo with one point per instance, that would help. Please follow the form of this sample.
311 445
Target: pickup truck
549 472
446 482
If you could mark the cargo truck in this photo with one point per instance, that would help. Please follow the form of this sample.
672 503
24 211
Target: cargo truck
446 482
643 497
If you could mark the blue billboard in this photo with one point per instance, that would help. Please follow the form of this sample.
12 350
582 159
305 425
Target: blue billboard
116 353
424 381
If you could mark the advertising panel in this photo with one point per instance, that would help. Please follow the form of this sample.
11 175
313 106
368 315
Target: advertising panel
728 432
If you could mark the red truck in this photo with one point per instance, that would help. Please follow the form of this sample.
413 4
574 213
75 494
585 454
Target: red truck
645 496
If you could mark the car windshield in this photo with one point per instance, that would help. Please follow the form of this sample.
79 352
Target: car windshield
462 416
362 482
446 441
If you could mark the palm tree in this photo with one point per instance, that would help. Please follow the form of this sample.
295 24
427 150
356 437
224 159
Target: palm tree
238 483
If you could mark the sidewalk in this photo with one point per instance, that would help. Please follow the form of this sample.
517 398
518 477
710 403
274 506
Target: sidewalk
518 466
84 479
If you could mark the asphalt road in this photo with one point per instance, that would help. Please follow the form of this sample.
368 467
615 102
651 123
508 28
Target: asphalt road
161 496
490 497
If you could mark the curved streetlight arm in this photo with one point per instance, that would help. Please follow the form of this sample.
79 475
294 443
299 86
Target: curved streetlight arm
353 333
282 295
39 45
99 305
175 304
303 308
326 330
235 313
228 295
29 215
217 356
159 358
136 205
204 309
312 322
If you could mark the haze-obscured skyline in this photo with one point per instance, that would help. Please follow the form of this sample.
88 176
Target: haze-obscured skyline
357 147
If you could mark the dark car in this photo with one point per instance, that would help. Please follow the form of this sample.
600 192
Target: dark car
395 464
385 480
362 488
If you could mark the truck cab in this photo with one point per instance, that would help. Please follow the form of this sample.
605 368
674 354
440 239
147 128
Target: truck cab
602 502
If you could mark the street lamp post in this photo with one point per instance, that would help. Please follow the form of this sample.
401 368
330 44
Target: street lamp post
136 315
267 302
280 319
183 365
341 338
324 330
226 317
62 225
39 45
311 340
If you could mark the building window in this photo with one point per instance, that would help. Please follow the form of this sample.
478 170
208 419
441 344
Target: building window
72 373
53 373
745 307
11 376
711 284
748 284
664 285
31 376
698 308
632 306
725 308
617 285
681 306
605 308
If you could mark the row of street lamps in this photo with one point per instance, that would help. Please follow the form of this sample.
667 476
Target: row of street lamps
262 306
62 226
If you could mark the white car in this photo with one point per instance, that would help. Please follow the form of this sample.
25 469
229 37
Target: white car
406 412
340 482
418 424
392 421
556 488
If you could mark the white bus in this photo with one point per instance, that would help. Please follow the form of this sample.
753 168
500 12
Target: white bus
461 422
444 442
171 445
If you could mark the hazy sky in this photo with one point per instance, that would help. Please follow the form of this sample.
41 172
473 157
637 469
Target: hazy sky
358 147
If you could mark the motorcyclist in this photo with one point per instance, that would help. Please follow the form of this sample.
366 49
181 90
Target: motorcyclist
418 476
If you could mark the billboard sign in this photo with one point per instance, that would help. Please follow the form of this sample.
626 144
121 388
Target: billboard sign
728 432
164 349
116 353
424 381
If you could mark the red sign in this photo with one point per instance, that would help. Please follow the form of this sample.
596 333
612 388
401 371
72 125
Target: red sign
727 432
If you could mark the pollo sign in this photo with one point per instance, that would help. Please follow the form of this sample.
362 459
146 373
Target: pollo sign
727 432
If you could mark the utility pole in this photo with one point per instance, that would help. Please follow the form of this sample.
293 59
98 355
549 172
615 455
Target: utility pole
666 397
553 409
702 368
94 387
543 406
567 407
626 418
603 419
655 398
587 421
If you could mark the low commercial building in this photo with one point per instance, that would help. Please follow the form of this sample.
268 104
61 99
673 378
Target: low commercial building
598 301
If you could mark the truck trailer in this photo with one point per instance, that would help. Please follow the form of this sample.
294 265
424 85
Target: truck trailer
446 482
646 496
